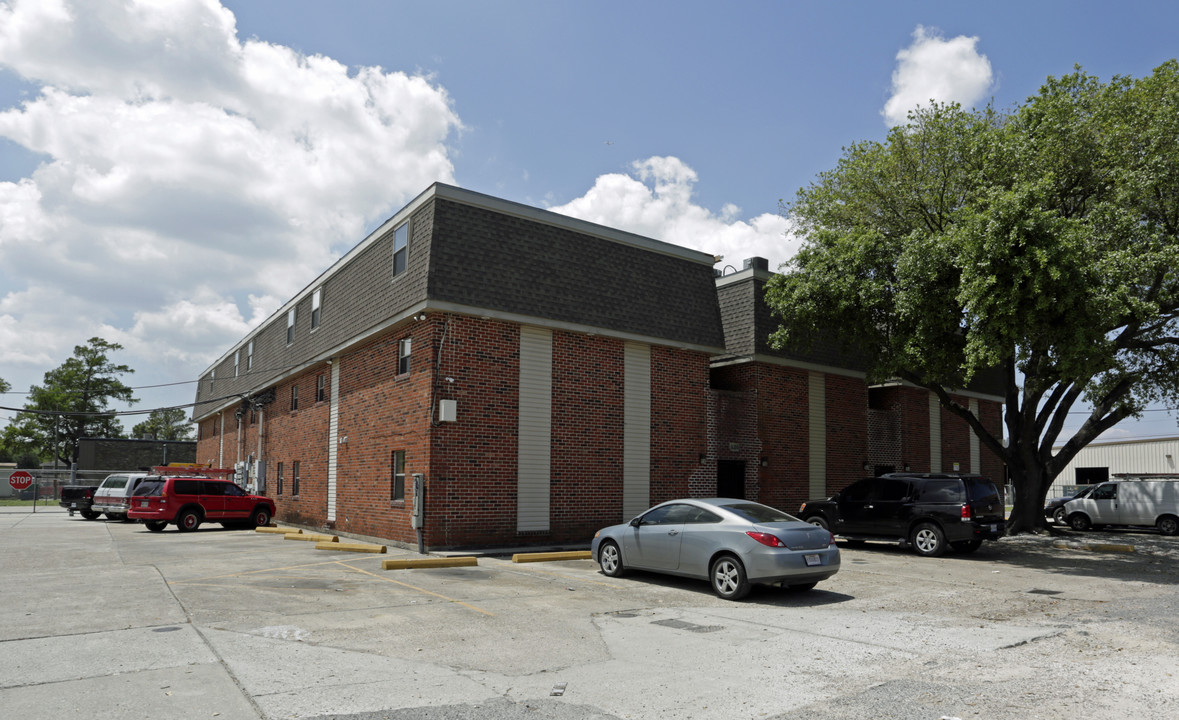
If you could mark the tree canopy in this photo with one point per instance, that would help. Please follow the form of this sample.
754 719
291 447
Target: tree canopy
165 424
1042 241
73 403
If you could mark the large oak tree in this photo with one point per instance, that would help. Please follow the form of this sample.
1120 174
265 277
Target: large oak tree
72 403
1043 241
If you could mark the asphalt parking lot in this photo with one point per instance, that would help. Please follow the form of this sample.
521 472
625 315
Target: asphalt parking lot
104 619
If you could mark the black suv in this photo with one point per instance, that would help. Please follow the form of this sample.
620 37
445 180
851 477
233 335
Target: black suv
926 511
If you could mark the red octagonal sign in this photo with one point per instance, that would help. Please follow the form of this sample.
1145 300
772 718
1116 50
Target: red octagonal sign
20 480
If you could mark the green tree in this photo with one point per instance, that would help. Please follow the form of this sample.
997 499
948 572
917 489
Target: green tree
73 403
1042 242
165 424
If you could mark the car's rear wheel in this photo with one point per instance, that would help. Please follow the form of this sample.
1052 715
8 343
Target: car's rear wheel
964 547
91 515
928 540
1079 521
1168 525
260 517
728 578
156 525
188 521
610 559
819 521
1060 516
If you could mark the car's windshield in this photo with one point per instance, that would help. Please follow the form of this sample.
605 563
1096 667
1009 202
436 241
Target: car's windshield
756 512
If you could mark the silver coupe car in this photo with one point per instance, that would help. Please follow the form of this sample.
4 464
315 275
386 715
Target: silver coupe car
732 543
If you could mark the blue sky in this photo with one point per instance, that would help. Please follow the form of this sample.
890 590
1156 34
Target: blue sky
170 175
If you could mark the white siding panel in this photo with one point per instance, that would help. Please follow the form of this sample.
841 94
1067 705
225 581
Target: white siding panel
333 439
935 434
636 442
817 419
535 430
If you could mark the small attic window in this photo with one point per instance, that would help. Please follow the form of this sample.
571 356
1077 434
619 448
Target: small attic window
400 249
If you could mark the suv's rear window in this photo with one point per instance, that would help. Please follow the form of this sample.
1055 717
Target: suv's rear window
149 488
119 481
981 490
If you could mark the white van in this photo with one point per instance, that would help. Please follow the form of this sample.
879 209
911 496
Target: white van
1128 502
114 494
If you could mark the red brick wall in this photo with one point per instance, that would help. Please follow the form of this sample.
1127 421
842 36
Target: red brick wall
679 421
302 435
847 430
992 419
784 426
587 427
955 440
380 412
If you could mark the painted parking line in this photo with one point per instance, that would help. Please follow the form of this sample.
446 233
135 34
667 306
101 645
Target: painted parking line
533 570
440 596
244 573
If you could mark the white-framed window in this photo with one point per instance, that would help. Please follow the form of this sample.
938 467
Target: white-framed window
397 489
404 347
316 307
320 387
290 326
250 356
400 249
212 377
237 356
295 478
294 397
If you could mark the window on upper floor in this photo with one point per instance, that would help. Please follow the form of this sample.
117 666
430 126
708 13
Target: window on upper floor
400 249
320 387
290 326
403 353
316 307
237 356
250 356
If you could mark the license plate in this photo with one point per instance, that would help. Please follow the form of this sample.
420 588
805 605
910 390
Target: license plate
142 503
995 528
812 559
73 505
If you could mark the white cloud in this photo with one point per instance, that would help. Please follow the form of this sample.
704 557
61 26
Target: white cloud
656 201
192 180
933 68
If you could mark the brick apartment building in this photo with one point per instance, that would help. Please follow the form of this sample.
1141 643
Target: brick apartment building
542 377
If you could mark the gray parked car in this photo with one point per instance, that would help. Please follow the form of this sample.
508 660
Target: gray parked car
732 543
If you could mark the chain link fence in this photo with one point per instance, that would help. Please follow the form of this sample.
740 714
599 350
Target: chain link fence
45 492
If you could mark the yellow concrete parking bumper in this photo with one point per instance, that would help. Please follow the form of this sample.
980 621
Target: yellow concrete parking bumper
311 537
552 556
277 530
411 563
1095 547
335 544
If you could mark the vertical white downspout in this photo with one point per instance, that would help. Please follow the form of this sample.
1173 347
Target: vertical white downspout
333 439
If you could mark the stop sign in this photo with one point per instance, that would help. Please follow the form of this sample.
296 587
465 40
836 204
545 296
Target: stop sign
20 480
